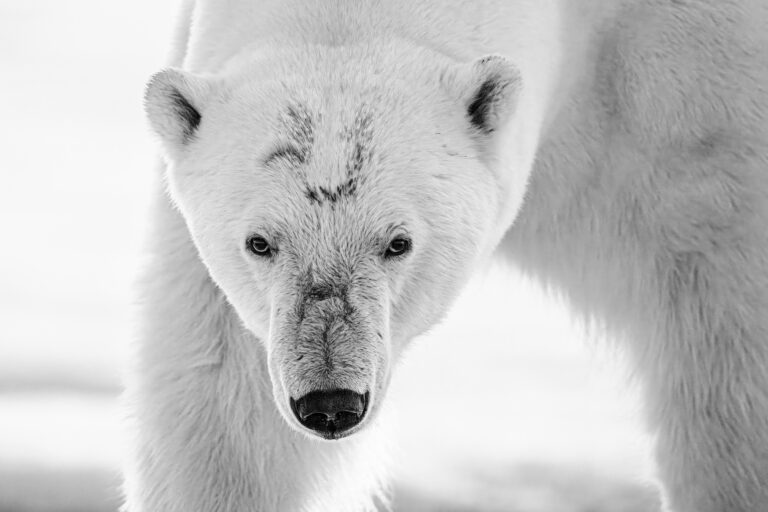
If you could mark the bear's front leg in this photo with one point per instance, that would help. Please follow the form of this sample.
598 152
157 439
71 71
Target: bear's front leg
707 380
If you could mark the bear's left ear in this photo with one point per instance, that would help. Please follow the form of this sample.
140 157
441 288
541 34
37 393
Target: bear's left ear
489 89
174 102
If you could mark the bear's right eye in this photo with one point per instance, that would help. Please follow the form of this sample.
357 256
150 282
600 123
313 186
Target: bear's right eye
259 246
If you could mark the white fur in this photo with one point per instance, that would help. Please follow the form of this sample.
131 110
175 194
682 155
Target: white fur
629 146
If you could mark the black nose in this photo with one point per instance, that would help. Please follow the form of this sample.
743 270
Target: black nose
330 413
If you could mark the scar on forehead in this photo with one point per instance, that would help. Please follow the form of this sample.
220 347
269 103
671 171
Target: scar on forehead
289 154
320 194
359 136
358 140
297 128
299 123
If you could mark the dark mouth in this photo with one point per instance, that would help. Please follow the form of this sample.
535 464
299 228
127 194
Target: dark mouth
331 414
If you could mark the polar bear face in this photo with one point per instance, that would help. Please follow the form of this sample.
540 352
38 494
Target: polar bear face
340 201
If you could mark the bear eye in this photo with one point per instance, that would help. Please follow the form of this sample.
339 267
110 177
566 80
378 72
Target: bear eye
259 246
397 247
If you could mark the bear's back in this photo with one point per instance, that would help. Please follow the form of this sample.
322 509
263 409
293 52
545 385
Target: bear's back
660 154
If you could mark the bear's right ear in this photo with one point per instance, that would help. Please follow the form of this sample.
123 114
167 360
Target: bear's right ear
174 102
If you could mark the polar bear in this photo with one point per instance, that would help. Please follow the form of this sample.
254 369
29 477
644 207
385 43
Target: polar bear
335 171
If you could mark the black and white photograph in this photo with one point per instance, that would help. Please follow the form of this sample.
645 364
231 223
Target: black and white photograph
384 256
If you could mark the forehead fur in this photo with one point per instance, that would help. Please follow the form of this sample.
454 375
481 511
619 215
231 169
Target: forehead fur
332 144
338 169
328 159
320 97
330 123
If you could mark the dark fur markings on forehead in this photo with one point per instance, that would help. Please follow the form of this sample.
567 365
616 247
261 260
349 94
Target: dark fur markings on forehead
298 127
288 154
322 194
360 156
300 124
359 135
311 194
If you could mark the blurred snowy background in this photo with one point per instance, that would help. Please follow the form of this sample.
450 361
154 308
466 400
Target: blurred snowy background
543 422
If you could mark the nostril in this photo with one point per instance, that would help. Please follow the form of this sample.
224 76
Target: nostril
330 412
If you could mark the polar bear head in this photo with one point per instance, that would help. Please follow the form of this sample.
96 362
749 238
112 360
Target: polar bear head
339 197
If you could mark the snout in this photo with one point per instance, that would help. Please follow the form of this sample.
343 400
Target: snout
330 413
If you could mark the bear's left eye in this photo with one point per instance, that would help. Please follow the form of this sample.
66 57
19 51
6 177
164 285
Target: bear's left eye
259 246
398 247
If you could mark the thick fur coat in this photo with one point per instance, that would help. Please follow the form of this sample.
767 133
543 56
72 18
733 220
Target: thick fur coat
336 170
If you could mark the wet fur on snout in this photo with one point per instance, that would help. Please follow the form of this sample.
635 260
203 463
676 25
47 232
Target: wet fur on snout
330 339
